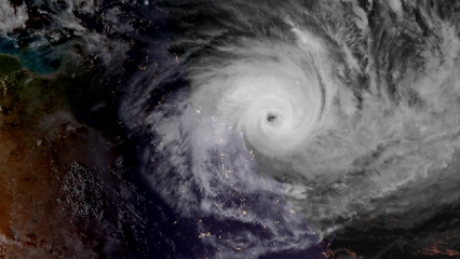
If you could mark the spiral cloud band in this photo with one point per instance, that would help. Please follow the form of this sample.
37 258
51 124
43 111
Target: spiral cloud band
272 93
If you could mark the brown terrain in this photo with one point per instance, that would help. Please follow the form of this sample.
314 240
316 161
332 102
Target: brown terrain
38 140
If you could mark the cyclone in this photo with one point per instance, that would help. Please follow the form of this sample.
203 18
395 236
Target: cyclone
348 121
274 94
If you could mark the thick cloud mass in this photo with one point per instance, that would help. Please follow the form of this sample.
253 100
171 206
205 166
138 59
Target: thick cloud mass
272 93
10 17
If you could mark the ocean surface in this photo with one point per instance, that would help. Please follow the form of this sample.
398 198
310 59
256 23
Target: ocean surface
36 60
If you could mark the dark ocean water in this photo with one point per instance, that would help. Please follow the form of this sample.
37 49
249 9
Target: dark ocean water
36 60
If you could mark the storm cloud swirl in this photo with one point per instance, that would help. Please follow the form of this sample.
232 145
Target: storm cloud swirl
272 93
337 116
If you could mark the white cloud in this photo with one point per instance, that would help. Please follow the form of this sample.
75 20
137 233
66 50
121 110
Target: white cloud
11 18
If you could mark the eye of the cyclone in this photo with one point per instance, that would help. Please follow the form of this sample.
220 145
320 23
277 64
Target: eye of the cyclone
271 117
271 94
274 119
